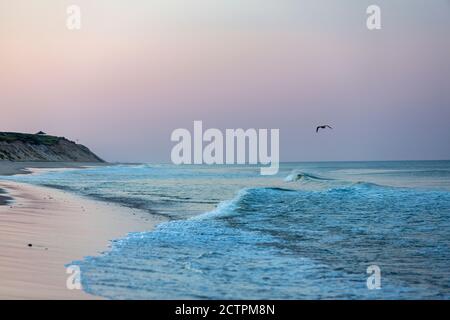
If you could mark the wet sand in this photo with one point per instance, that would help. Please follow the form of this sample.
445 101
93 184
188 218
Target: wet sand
8 168
61 228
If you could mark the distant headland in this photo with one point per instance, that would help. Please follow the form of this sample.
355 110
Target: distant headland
42 147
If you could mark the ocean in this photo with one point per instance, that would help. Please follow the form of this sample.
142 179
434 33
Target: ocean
309 232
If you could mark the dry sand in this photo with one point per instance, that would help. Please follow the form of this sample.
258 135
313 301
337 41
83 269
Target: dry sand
61 228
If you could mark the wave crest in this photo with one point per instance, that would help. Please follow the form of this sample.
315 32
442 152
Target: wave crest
297 175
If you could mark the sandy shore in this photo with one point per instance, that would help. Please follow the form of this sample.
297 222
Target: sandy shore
61 228
10 168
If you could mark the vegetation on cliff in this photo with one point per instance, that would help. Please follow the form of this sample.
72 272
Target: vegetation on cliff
16 146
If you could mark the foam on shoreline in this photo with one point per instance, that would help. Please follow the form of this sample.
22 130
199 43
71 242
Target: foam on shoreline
60 227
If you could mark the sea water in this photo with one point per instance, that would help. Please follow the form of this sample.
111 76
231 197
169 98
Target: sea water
309 232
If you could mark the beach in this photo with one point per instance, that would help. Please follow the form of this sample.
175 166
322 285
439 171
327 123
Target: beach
43 229
23 167
226 232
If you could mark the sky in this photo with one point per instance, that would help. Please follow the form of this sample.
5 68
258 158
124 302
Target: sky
137 70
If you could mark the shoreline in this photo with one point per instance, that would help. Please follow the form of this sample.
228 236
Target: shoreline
10 168
61 227
4 199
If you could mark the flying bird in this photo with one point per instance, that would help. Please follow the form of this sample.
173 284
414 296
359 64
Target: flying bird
323 127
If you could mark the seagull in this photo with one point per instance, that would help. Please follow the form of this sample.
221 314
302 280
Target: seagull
323 127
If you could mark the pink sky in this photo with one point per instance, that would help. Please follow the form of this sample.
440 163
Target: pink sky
138 70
